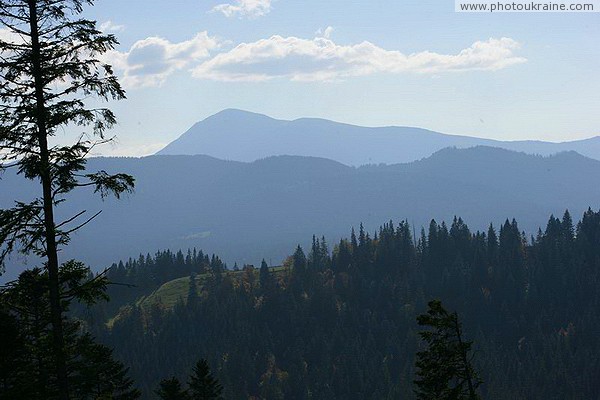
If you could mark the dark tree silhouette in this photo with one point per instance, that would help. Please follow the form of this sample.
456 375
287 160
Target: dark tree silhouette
27 362
170 389
49 67
444 371
203 386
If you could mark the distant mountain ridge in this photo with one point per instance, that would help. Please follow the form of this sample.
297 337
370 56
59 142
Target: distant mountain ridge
244 136
249 211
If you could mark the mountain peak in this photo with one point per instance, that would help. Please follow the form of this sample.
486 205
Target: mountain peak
239 135
236 114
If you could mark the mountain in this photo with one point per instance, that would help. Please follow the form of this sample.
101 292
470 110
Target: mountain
243 136
247 211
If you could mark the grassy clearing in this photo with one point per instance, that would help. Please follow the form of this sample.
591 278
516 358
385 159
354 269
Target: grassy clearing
172 292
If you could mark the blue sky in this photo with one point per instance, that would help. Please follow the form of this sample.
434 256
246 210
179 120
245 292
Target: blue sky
415 63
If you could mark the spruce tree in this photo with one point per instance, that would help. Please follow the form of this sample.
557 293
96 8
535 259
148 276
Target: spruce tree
49 67
264 274
202 385
13 357
444 370
192 291
98 375
28 372
170 389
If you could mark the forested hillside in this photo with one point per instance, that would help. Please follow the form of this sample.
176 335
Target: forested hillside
340 324
245 212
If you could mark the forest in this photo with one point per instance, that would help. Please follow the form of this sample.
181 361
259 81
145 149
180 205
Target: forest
447 313
340 323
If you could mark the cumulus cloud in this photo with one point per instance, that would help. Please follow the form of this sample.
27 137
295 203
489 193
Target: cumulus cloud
321 59
150 61
244 8
111 27
326 33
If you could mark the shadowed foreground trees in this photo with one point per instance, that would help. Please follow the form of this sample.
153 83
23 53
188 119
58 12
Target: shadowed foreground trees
28 363
171 389
201 386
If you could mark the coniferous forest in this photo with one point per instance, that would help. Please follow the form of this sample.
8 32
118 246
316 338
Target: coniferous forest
435 313
338 321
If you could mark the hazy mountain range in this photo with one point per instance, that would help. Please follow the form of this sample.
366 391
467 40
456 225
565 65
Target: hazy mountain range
247 211
243 136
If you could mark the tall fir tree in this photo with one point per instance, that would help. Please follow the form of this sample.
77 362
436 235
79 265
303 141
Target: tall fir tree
50 66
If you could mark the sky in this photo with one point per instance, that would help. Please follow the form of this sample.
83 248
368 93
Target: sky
507 76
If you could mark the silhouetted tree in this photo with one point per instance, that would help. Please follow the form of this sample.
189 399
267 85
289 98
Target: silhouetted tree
28 372
49 68
192 291
13 357
170 389
264 274
202 385
445 371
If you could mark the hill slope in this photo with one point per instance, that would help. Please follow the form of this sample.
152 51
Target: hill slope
244 136
247 211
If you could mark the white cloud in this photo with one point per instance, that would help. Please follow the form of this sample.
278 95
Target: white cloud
130 149
5 35
244 8
111 27
326 33
9 36
150 61
320 59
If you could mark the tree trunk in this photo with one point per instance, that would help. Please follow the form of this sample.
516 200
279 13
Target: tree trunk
466 364
49 231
